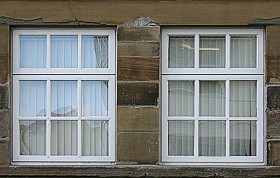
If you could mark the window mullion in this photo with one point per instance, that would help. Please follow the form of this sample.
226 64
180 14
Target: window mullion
79 51
227 117
196 115
48 124
196 51
227 51
48 51
79 118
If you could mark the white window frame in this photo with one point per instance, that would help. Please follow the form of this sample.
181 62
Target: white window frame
212 74
74 74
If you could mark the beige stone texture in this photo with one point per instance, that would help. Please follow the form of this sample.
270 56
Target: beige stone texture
138 147
140 49
138 119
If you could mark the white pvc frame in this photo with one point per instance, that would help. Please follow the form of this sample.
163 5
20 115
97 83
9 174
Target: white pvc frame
79 70
76 74
227 33
215 74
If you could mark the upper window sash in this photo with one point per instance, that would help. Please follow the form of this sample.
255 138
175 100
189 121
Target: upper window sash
76 47
196 37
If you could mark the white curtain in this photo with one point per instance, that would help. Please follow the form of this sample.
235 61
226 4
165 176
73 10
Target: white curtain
95 138
33 51
212 138
243 98
180 98
243 51
243 138
95 51
94 98
212 98
32 98
64 98
212 52
180 138
32 137
64 137
64 51
243 103
181 52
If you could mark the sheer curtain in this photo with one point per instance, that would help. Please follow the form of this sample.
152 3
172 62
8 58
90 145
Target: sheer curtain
32 103
95 51
212 138
181 103
181 52
212 51
94 103
64 104
180 138
33 51
243 51
32 137
64 51
212 98
243 103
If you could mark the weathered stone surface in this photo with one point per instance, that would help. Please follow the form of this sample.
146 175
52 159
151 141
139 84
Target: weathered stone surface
138 147
272 70
143 49
4 40
273 124
138 69
138 119
5 123
169 12
5 151
139 34
272 41
4 96
4 69
273 153
137 93
273 97
140 171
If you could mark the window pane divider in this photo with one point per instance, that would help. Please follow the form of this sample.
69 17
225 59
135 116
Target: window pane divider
196 115
196 51
227 51
48 66
48 122
79 99
79 51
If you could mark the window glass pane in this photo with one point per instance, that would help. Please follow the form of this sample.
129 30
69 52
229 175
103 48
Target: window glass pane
33 51
95 51
94 138
95 98
180 138
64 98
32 101
212 52
32 137
64 51
243 51
64 138
212 98
180 98
243 98
243 136
212 138
181 52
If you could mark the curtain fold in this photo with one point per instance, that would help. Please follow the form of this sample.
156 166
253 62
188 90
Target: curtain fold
32 137
33 51
64 51
243 51
181 52
212 52
180 138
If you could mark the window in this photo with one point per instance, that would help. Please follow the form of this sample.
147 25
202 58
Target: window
212 96
63 96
